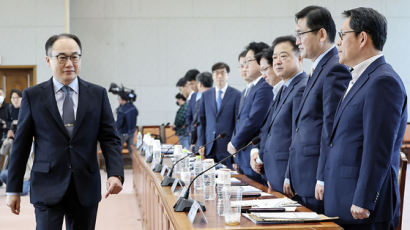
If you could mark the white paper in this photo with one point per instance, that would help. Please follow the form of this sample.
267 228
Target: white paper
267 203
287 215
235 180
249 189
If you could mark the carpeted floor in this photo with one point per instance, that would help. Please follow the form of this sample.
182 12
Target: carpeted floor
116 212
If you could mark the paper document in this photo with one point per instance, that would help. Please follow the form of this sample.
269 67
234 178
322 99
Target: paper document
267 203
248 188
287 215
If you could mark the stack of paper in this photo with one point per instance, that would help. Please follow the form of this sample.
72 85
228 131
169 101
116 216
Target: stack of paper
267 203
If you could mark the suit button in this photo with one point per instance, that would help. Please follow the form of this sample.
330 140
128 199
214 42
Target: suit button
331 145
297 129
69 165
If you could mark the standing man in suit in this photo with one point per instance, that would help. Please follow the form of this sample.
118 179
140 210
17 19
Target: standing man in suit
219 107
265 60
192 111
361 173
66 116
253 108
287 63
315 33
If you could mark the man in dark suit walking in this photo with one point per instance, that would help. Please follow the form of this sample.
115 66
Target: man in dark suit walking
217 114
315 33
65 116
361 171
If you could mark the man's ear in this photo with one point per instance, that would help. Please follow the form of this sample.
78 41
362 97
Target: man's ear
48 61
364 39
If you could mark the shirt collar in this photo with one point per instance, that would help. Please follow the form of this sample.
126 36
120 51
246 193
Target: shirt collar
223 88
287 83
190 95
198 96
318 59
73 85
361 67
277 87
254 82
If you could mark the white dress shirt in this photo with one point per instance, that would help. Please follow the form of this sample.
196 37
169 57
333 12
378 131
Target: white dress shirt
223 91
59 94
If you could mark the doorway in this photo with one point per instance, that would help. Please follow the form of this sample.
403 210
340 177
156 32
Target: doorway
16 77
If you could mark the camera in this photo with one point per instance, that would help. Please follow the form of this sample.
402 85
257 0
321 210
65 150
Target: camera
127 93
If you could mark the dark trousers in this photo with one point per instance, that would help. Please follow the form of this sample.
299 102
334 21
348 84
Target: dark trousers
129 138
77 217
310 203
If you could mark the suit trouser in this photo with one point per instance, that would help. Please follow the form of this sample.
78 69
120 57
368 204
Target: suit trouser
77 217
310 203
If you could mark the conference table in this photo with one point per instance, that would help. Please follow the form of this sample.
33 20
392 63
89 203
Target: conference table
156 204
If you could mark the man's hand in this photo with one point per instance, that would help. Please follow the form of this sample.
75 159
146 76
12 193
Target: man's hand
270 190
255 166
235 167
319 190
359 213
288 190
114 186
10 134
201 152
13 201
231 149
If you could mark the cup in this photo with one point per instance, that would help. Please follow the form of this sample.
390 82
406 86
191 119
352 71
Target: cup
232 213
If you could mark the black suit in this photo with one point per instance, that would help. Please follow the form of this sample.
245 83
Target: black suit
64 167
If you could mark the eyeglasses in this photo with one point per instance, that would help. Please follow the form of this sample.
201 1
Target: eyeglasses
264 69
299 34
281 57
343 33
62 58
247 61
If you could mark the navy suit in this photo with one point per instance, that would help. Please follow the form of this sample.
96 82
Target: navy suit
275 152
213 123
314 122
363 161
249 122
64 166
190 122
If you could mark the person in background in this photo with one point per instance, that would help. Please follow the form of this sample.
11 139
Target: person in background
3 112
180 121
192 99
12 112
126 122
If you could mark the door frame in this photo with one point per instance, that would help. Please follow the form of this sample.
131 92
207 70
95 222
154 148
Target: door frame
33 69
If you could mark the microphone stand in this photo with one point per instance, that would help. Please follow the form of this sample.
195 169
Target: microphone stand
184 203
168 180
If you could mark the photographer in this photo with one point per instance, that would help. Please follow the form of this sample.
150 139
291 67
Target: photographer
126 120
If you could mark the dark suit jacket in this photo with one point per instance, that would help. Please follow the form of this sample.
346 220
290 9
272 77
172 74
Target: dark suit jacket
314 122
213 123
362 165
190 111
250 120
275 152
58 157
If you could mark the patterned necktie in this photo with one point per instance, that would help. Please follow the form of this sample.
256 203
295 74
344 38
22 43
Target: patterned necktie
219 100
68 110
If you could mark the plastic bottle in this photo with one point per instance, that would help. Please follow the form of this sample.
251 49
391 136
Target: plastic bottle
198 183
139 140
209 180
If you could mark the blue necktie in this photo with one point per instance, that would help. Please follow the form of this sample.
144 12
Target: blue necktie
68 111
219 100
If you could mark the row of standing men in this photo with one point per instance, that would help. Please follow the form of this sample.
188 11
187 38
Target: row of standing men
331 139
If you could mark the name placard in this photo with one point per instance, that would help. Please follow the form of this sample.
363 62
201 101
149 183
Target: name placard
164 169
175 184
192 214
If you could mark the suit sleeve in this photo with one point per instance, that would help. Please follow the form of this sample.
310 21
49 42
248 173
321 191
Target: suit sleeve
109 141
252 124
202 122
189 114
21 146
383 108
334 86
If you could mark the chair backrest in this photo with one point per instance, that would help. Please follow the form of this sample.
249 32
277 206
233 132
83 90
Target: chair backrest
406 138
170 137
402 183
154 130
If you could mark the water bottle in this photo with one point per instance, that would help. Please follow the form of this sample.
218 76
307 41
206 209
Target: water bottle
198 183
139 140
177 156
150 148
209 180
223 182
156 152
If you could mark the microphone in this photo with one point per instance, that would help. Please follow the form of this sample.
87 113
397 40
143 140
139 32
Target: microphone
184 203
168 180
